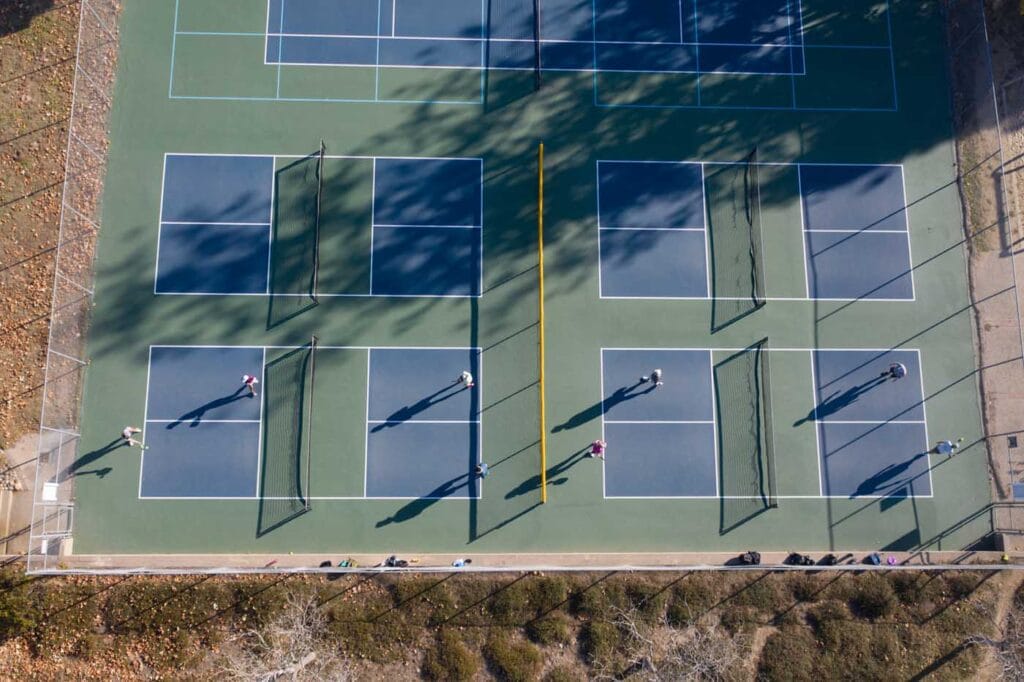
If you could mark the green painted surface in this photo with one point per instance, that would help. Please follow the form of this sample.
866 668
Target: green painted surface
503 128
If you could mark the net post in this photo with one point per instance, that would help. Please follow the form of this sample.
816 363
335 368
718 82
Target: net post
316 226
306 503
540 322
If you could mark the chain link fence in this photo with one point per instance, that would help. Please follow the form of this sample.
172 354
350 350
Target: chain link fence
53 495
993 241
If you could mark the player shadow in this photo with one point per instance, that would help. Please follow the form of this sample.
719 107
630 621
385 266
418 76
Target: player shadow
597 409
884 479
837 401
533 482
421 504
404 414
75 468
196 415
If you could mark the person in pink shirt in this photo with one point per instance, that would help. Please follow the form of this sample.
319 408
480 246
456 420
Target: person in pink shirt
597 448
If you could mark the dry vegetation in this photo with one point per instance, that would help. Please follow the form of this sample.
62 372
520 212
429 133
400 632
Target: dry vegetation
709 626
37 49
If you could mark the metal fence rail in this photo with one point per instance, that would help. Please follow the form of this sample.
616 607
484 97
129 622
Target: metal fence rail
53 495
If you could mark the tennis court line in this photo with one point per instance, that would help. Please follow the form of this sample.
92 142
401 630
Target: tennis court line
704 220
174 46
366 429
924 421
713 421
818 459
716 429
270 226
259 436
145 418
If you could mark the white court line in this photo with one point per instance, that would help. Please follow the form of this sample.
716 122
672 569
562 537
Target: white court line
469 498
280 53
604 472
214 222
654 229
422 421
354 156
266 38
394 16
259 439
600 261
373 216
892 55
864 230
447 227
817 424
366 427
704 219
871 421
145 419
210 421
803 230
159 222
376 70
906 223
174 47
480 236
924 415
714 415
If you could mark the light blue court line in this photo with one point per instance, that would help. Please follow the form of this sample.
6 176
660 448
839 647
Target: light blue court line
892 58
174 44
376 70
280 48
696 38
792 66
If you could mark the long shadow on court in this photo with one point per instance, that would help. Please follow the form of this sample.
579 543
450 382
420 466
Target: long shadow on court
883 478
420 505
196 415
533 483
837 401
75 468
406 413
594 411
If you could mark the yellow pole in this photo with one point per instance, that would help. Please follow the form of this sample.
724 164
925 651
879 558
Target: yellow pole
540 320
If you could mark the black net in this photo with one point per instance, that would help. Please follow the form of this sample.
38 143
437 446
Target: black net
735 240
287 408
745 440
294 251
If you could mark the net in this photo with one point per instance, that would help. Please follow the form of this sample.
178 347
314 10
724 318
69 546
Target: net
287 412
752 199
746 444
295 251
735 240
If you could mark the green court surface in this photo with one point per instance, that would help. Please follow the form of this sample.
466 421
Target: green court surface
193 81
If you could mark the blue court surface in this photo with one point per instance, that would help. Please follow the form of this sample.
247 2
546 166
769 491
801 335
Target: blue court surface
423 425
665 36
652 230
661 440
202 426
872 433
217 226
856 233
203 429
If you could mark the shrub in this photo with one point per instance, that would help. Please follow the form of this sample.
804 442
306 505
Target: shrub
907 585
564 673
874 596
554 628
804 587
760 594
550 592
449 659
788 655
512 604
736 619
961 585
17 614
599 641
689 601
515 661
648 599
